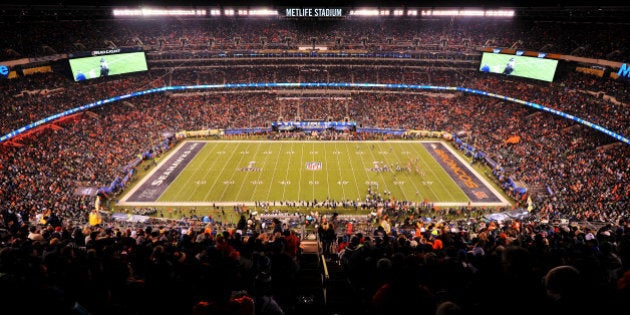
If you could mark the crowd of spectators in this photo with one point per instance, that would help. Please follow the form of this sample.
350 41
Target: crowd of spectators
598 40
520 267
571 167
573 172
412 263
147 269
574 94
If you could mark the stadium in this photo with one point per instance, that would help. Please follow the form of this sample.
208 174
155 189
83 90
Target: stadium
320 158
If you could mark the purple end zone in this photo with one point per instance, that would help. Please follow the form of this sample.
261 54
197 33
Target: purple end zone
156 184
464 177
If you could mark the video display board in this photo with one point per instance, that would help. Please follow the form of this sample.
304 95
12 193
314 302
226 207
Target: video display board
106 63
520 66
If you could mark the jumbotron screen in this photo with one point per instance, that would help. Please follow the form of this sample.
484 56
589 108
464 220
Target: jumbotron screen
104 65
520 66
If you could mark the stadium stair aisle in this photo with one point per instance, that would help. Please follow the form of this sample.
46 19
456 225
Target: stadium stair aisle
340 298
309 284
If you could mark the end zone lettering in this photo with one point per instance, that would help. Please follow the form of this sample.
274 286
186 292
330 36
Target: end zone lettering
460 173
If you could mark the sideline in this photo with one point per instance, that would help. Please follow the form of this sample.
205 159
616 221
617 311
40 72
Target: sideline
123 202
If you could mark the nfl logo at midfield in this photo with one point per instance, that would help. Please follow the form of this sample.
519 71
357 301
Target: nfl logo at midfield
313 166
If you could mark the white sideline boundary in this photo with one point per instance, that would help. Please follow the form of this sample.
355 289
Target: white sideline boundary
123 201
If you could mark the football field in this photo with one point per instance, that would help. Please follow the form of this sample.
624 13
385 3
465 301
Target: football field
226 172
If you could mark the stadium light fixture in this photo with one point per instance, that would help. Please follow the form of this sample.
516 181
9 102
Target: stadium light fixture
127 12
365 12
158 12
263 12
502 13
469 12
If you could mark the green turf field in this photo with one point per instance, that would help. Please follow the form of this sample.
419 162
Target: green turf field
228 172
529 67
118 64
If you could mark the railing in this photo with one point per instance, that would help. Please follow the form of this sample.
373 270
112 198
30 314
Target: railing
325 276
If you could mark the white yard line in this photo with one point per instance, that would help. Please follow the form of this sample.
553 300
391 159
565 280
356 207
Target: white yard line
435 177
313 173
327 173
380 174
302 167
158 167
232 175
286 175
273 176
214 182
245 179
361 195
343 187
356 182
185 186
260 174
123 201
407 175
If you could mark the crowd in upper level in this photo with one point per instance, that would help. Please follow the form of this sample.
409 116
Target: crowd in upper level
592 40
572 93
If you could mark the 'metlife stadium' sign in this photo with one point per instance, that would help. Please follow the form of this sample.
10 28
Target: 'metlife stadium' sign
313 12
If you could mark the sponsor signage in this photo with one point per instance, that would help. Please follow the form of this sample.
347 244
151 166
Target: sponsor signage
102 52
624 71
4 71
312 12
